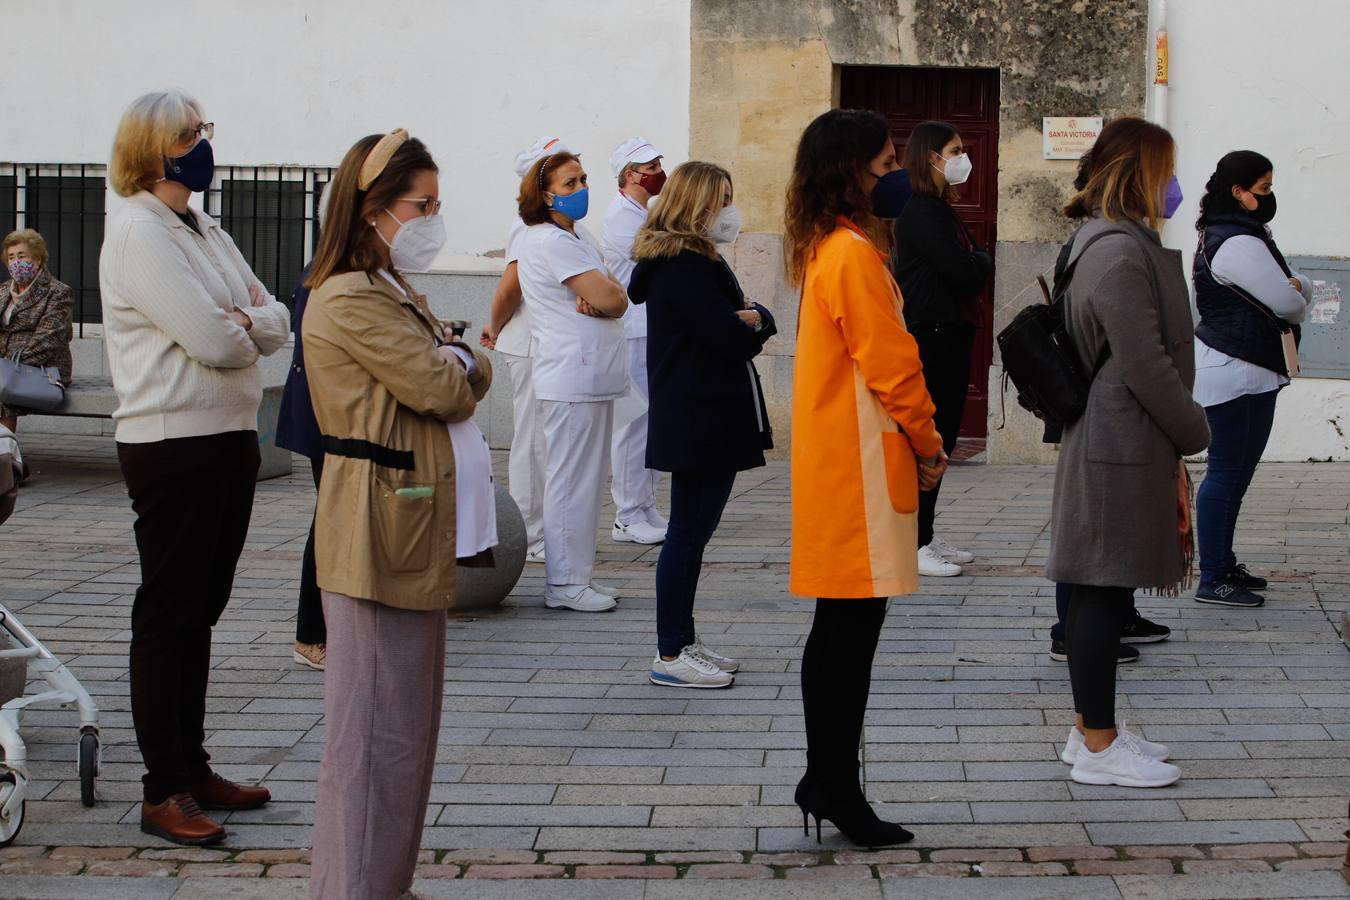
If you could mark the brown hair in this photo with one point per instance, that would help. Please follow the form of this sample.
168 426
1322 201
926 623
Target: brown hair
37 247
1126 173
347 242
926 138
689 201
532 204
827 183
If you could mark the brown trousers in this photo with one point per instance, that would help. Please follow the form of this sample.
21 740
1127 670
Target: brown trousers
382 709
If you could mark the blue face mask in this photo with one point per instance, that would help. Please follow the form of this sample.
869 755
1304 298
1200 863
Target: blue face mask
574 205
1172 199
193 169
891 193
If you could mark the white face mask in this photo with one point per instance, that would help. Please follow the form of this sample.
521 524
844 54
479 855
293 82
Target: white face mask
416 242
726 226
957 169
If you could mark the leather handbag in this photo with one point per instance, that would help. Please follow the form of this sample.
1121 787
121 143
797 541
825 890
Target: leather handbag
33 388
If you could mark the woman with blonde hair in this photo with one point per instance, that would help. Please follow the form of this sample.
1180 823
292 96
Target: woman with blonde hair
707 419
1114 519
184 321
863 444
388 392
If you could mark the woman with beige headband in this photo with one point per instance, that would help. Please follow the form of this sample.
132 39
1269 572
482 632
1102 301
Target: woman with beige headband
388 391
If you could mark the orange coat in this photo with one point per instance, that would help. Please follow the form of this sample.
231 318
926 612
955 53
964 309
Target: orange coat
860 414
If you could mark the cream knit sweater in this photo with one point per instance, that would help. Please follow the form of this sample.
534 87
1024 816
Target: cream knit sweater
180 366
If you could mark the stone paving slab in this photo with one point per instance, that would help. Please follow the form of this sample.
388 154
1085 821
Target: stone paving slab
553 741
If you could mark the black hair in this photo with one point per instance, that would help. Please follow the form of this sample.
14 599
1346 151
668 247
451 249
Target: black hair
1242 168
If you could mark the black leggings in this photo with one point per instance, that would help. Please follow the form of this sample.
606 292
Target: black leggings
309 624
836 679
1092 634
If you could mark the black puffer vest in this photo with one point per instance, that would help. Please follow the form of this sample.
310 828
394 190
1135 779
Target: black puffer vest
1229 322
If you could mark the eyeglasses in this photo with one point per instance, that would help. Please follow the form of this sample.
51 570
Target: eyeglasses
429 206
206 130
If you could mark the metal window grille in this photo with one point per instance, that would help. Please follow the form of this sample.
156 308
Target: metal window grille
271 212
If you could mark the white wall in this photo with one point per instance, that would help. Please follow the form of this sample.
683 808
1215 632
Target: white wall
298 82
1249 75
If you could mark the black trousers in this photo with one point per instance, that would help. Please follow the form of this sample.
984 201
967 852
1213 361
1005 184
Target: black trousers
309 624
1092 632
192 497
945 351
836 679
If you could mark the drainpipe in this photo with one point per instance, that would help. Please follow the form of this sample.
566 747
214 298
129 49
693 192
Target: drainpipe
1160 61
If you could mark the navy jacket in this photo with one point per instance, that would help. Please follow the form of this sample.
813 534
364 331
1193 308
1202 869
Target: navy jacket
707 409
297 429
1229 323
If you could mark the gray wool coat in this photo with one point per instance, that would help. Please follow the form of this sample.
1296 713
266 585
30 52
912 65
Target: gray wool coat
1114 518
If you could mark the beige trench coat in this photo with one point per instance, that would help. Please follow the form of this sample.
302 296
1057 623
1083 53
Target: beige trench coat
385 524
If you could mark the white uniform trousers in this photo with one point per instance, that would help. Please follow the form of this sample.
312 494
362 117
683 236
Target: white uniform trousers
525 463
634 487
576 437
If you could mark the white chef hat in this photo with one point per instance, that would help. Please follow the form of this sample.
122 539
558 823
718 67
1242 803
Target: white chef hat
542 147
634 150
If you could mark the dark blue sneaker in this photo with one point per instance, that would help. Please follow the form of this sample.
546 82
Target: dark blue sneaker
1224 593
1239 577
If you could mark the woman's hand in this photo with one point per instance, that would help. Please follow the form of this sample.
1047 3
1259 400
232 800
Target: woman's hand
750 317
587 310
1295 284
488 339
241 319
257 294
931 470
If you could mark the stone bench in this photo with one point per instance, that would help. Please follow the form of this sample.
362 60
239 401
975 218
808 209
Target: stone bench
94 398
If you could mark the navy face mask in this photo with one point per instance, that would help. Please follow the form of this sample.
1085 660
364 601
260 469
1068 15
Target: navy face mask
891 193
193 169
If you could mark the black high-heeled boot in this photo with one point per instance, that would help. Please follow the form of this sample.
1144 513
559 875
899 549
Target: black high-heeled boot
842 803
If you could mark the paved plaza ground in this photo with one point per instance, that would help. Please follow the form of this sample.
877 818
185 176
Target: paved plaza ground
559 762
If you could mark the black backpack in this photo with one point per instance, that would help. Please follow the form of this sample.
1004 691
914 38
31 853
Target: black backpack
1040 359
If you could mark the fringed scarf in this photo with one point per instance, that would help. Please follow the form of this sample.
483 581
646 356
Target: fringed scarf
1185 534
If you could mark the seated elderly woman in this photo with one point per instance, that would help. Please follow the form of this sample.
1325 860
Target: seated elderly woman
35 311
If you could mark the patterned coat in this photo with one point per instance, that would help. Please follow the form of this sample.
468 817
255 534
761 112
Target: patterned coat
860 415
39 329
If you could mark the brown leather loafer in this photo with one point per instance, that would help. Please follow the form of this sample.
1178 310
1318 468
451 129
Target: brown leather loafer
181 820
220 793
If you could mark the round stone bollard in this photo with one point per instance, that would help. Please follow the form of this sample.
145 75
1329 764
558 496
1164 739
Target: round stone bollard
486 588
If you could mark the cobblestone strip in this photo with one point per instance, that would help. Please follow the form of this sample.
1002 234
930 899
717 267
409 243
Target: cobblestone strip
997 862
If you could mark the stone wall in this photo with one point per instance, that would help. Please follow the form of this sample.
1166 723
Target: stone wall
761 70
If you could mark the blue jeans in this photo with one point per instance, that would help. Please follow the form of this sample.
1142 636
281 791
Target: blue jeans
696 503
1239 430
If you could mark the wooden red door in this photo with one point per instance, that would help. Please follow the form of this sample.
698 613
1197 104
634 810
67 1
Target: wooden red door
968 100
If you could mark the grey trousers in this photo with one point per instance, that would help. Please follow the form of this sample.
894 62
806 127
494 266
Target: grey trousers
382 709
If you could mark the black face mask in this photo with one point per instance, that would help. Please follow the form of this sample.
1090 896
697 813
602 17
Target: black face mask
1265 208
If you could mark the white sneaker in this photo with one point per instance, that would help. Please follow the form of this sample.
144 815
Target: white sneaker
535 555
605 589
1124 763
935 566
640 532
577 596
950 553
725 663
1075 743
655 519
689 670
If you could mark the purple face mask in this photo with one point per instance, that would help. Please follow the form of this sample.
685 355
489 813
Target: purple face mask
1172 199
